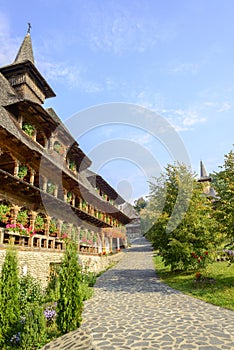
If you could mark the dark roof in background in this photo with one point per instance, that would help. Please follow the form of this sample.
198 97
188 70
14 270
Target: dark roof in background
96 179
203 173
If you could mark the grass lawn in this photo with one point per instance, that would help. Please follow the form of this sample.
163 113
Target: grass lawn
220 293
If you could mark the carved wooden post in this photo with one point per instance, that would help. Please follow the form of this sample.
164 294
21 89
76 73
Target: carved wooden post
118 246
51 142
20 120
34 136
33 215
59 226
103 242
56 191
73 200
1 235
47 225
111 244
32 175
80 203
14 213
16 167
44 184
65 195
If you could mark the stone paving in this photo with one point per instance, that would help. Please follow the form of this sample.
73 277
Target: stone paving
132 309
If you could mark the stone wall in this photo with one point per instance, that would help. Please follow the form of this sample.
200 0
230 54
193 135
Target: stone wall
38 263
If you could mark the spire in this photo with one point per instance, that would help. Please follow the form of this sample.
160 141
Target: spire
203 173
25 52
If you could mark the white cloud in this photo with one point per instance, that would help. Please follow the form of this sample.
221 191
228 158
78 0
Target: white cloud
9 46
226 106
182 119
192 68
125 30
71 75
218 106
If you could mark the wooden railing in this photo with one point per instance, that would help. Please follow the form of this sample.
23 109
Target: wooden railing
31 242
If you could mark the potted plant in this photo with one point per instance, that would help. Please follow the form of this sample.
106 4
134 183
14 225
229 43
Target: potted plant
39 224
28 129
69 197
51 187
58 148
23 170
22 217
72 165
53 228
5 213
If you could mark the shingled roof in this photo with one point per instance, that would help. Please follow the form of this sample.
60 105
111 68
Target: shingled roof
25 52
7 93
203 174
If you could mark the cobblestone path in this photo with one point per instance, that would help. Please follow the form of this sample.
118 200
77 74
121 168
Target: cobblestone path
132 309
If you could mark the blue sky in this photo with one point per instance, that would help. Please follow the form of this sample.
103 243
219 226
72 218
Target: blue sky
175 58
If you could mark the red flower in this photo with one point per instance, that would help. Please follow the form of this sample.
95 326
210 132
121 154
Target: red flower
206 253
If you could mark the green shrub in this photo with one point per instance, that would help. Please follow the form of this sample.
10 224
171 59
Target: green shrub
70 302
33 335
53 287
30 291
9 297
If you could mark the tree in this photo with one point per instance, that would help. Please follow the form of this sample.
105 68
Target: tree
9 296
70 303
186 226
140 204
224 186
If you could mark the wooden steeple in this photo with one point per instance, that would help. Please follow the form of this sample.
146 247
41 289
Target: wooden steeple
24 77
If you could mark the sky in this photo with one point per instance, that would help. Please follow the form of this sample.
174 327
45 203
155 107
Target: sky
171 62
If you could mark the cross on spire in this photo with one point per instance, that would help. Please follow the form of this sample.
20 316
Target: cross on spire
29 28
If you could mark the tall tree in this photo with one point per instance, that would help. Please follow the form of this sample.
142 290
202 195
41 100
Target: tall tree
186 225
224 186
140 204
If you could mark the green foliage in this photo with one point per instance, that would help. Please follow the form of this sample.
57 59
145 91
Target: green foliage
28 129
9 297
33 333
53 287
70 303
224 186
140 204
72 165
39 223
30 291
53 226
183 226
23 170
22 217
5 213
220 293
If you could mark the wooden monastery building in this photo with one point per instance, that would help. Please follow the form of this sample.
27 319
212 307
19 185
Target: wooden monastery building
47 191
